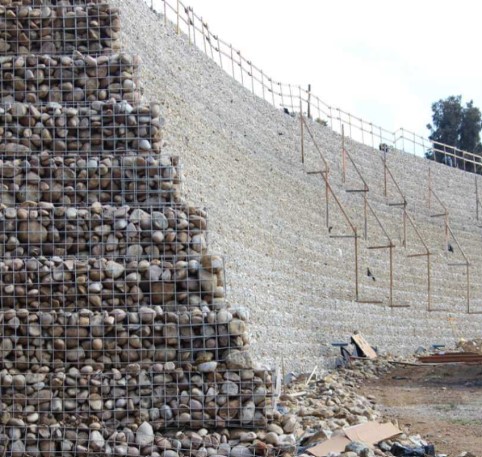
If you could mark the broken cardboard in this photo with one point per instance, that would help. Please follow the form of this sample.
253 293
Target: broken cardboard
362 344
336 443
370 433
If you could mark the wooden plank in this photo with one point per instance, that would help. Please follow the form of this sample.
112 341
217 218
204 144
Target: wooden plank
363 345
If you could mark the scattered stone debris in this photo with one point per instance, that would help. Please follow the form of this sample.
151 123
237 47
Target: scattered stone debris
474 345
325 408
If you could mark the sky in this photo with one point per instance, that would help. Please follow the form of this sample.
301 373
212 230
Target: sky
381 60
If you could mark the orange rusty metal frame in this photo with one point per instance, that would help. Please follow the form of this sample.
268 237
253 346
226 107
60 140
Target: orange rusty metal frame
388 176
329 191
448 231
367 208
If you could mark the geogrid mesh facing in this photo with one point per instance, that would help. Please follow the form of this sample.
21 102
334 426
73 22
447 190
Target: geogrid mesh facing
49 29
146 180
69 80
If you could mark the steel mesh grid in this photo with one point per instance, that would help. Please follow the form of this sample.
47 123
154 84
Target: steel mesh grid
113 232
167 395
49 29
54 283
92 411
165 399
147 180
135 327
60 340
38 3
101 128
69 80
89 441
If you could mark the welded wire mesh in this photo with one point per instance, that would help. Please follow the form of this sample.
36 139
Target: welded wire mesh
49 29
146 180
114 324
165 395
113 232
100 128
69 79
56 283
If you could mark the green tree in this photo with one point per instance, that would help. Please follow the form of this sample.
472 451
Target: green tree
446 118
469 132
454 125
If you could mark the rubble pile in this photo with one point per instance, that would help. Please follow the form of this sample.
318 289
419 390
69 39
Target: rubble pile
474 345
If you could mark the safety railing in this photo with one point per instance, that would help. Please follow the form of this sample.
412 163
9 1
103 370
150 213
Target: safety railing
293 98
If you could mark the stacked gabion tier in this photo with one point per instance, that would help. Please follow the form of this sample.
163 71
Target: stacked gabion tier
114 326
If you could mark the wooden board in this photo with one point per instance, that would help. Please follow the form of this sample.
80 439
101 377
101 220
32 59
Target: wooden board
363 345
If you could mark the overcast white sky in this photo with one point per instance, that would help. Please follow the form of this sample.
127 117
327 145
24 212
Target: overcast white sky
381 60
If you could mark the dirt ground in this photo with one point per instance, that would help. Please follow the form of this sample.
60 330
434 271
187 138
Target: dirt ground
441 403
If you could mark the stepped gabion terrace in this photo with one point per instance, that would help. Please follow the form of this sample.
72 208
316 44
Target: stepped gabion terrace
115 332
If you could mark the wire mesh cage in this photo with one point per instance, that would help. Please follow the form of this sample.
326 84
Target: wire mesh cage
83 180
114 323
168 395
43 283
114 232
101 128
70 80
59 29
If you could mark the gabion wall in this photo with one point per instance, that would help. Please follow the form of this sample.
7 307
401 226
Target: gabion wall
114 325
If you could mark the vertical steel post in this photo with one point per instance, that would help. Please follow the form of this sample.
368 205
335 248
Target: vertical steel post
356 265
262 85
232 59
446 221
302 137
220 54
390 298
188 24
468 287
204 36
241 68
343 154
365 215
252 78
429 283
385 174
177 18
327 196
309 101
291 98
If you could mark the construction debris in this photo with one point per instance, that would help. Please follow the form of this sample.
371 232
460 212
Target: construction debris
370 433
452 357
474 345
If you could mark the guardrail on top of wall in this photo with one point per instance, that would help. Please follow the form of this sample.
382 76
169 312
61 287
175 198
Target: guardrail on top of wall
294 98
